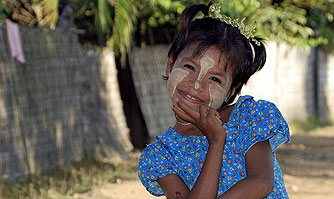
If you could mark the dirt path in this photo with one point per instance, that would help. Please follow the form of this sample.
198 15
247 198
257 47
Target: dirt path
307 164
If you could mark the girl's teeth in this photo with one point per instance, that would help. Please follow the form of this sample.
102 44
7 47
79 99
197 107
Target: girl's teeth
192 98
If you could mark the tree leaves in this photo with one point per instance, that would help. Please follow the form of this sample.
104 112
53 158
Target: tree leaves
304 23
39 13
123 26
285 22
103 17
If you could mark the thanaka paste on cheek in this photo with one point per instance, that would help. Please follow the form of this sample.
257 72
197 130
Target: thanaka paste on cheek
206 64
176 76
218 94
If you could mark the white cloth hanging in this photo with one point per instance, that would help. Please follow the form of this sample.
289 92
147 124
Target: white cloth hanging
14 39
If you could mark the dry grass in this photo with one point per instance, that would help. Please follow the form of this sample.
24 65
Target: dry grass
64 182
308 125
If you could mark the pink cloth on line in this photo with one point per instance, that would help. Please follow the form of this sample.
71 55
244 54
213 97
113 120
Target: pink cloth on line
14 39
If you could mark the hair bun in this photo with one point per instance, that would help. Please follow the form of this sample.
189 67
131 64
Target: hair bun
190 12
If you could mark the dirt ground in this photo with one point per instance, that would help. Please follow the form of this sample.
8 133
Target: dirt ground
307 164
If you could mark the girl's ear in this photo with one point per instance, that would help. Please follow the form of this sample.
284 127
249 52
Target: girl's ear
169 67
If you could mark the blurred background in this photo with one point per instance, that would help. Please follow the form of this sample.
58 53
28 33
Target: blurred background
81 91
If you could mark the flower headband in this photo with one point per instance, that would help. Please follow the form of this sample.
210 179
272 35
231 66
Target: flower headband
247 30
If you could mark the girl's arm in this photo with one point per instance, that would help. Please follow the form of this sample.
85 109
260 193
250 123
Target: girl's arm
206 186
260 174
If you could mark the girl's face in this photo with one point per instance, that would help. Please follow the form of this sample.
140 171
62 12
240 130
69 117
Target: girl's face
200 80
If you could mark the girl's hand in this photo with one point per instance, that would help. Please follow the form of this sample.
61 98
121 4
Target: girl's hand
207 120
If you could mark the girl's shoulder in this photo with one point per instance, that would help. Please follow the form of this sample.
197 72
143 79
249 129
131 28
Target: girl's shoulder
257 121
254 109
250 103
156 145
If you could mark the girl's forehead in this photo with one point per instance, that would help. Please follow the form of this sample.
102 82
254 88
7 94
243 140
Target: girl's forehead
211 54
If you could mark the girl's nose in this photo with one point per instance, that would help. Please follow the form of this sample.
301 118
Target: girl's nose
196 84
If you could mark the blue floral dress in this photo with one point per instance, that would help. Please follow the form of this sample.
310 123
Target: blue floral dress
250 122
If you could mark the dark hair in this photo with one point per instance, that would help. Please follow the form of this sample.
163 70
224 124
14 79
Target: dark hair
208 32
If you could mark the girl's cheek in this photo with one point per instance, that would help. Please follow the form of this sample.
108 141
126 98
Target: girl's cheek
217 96
176 76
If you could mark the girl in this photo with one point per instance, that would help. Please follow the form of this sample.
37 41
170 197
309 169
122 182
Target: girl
216 149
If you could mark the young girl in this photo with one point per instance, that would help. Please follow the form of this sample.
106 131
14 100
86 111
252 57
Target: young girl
216 149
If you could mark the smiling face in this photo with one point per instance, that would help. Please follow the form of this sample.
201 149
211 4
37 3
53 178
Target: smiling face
199 80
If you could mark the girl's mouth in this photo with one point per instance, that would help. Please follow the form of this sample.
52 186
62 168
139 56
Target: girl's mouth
190 98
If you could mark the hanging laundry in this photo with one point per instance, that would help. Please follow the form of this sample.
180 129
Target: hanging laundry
14 39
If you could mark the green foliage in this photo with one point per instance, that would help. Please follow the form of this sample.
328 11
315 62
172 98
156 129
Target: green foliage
85 15
284 22
159 12
95 16
320 15
124 23
43 13
115 22
103 18
4 10
305 23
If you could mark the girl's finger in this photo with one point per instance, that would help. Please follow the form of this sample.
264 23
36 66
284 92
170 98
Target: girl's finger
184 116
212 114
184 107
203 111
217 115
219 120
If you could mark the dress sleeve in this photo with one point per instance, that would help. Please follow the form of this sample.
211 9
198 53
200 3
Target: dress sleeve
265 122
155 162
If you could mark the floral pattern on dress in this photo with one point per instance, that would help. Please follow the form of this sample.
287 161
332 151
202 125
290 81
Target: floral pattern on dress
250 122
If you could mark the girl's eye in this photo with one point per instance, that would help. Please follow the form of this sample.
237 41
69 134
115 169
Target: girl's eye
190 67
215 79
